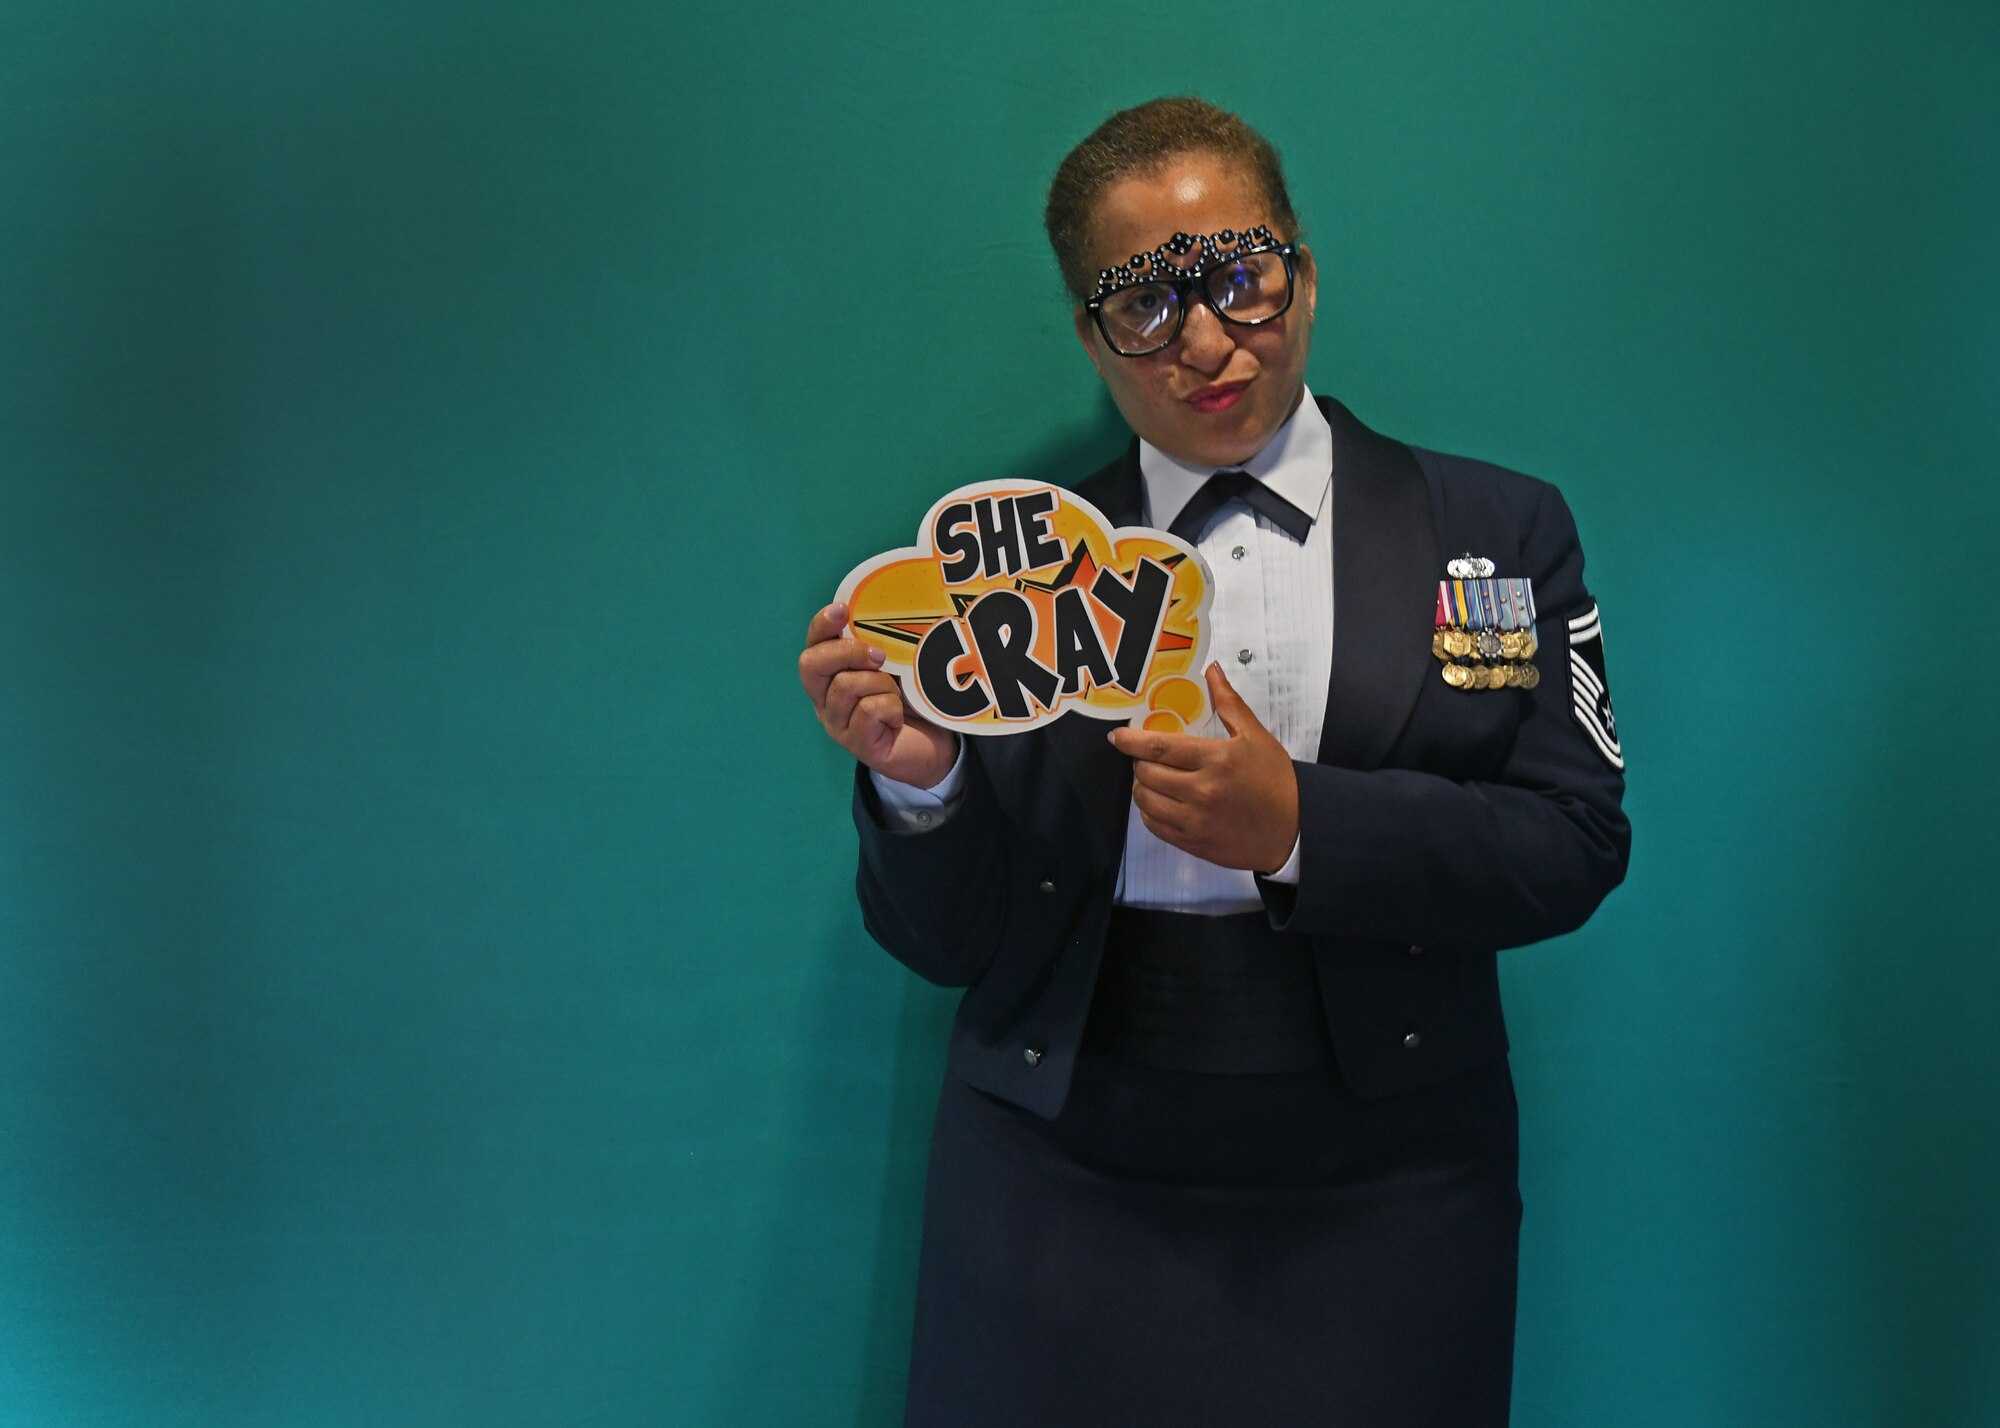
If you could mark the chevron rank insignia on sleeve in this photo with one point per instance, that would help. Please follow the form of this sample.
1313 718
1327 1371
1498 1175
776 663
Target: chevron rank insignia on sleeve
1590 694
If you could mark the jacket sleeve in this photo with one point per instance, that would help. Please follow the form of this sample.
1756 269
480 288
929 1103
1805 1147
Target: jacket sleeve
1414 857
935 899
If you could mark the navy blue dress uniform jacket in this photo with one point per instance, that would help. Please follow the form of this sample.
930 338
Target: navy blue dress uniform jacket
1437 825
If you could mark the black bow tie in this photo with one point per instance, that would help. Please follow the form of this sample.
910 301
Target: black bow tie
1226 486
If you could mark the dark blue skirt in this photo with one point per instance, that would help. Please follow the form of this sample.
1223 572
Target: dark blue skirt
1190 1248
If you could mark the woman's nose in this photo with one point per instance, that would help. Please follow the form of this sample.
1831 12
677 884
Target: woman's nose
1205 340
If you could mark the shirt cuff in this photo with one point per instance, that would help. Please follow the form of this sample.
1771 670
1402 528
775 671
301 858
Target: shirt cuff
1290 872
909 809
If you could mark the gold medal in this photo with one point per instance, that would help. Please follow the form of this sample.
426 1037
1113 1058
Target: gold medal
1458 676
1530 676
1438 645
1459 642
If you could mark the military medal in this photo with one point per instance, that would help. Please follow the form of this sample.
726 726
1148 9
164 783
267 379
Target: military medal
1485 627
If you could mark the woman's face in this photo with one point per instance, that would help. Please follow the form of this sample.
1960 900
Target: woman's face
1217 393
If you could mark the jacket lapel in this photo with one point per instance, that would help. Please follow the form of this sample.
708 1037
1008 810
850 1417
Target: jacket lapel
1386 563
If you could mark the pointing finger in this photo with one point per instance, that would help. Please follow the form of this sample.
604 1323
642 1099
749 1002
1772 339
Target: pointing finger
1181 751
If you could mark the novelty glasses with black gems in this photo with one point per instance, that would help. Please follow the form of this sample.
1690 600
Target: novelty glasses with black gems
1141 315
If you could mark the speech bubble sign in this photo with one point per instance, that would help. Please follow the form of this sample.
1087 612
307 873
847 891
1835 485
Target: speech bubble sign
1021 602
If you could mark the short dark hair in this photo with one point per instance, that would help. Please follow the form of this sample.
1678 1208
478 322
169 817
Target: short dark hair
1143 140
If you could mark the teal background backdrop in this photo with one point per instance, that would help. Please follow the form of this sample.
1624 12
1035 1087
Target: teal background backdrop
430 988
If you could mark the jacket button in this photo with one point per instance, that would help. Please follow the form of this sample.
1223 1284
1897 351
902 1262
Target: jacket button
1415 950
1032 1055
1411 1041
1048 885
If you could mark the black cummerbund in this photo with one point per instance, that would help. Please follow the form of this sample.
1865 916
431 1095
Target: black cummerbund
1223 995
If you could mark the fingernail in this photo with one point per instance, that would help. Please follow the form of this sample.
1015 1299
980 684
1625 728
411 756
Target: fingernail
875 656
836 611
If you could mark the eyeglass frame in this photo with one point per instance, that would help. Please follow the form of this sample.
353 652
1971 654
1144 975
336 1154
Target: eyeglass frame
1193 288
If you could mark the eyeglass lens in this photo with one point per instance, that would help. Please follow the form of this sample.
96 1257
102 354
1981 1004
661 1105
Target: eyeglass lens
1147 316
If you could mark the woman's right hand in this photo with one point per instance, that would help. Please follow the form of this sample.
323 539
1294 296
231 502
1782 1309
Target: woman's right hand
862 709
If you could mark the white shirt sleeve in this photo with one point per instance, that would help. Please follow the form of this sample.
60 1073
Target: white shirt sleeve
913 810
1290 872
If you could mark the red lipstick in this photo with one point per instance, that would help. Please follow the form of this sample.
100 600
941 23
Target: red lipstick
1219 397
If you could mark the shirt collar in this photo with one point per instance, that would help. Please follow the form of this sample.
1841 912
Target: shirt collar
1297 463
